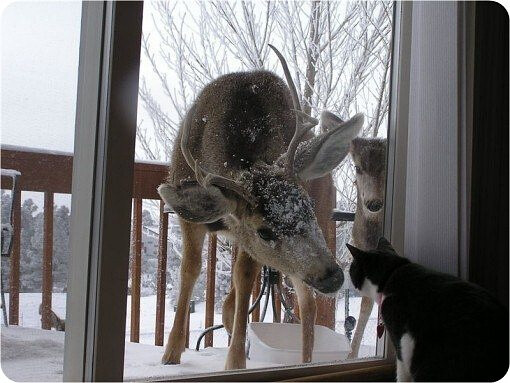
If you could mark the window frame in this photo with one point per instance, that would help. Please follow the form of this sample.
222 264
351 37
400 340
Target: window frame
109 52
102 182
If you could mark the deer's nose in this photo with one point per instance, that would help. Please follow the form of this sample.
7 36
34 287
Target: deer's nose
374 205
331 281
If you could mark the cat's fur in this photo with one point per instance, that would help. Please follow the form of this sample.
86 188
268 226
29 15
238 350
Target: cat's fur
443 328
55 321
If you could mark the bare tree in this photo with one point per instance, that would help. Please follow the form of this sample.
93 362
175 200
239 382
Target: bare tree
339 54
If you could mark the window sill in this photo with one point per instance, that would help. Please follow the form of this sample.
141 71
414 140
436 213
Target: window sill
369 369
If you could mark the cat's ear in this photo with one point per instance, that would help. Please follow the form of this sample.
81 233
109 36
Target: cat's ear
385 245
354 251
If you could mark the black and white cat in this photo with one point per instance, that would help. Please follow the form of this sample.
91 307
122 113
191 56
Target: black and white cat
443 328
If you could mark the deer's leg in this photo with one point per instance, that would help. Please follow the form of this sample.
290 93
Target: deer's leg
192 241
366 308
228 310
245 271
307 313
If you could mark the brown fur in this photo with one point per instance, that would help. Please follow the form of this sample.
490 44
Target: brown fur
55 321
369 156
232 143
239 128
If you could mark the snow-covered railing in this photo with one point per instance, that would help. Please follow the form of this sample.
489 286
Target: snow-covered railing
51 172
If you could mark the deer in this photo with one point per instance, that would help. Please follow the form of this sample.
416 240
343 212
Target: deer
238 168
369 157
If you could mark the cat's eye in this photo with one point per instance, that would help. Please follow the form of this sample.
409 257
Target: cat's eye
266 234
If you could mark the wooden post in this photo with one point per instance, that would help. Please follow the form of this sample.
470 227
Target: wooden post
255 315
161 276
277 313
322 191
210 288
187 329
136 262
15 260
47 264
232 265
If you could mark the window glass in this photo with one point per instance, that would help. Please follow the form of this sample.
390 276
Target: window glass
339 57
39 53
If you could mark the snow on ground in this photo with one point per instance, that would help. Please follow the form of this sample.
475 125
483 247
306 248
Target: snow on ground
29 353
29 317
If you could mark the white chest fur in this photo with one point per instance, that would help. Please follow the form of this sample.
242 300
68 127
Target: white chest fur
406 352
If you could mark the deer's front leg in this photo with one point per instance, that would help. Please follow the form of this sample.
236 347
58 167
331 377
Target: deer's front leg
364 313
245 271
307 313
192 241
228 311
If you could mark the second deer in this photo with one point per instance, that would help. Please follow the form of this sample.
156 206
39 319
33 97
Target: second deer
369 156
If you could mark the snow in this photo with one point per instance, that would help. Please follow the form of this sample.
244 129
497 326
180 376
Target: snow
10 173
286 208
31 354
29 317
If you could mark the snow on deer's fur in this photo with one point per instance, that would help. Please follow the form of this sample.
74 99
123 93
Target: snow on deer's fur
238 167
369 156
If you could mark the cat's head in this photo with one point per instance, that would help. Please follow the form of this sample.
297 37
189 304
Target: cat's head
370 270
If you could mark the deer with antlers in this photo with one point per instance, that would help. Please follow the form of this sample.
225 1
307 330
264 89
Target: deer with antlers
242 155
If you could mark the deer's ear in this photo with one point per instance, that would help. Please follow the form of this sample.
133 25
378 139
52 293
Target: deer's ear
320 155
197 204
330 120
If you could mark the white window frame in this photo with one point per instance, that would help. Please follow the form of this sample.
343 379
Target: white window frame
101 190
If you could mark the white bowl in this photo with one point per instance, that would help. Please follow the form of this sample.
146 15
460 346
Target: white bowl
282 343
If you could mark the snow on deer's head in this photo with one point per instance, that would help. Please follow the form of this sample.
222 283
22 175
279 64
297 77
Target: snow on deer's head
369 156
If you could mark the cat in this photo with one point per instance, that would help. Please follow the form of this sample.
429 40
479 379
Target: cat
55 321
443 328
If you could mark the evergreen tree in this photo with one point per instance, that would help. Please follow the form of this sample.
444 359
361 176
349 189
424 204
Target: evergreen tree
61 249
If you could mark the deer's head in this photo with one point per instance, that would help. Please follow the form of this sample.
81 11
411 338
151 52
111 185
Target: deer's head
369 156
266 208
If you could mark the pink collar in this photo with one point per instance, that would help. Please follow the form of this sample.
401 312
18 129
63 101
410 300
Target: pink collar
379 298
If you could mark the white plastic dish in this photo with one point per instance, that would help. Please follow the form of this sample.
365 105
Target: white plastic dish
281 343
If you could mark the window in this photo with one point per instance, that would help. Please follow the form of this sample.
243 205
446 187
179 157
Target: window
340 58
40 49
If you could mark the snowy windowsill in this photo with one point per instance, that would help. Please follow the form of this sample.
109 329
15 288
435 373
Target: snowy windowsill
30 354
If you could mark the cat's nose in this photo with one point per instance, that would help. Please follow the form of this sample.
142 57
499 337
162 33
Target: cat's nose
374 205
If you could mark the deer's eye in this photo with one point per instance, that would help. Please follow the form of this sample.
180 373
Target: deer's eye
266 234
358 169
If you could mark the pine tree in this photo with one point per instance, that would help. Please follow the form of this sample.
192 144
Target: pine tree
61 249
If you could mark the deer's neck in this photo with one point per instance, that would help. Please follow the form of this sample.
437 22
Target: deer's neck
366 231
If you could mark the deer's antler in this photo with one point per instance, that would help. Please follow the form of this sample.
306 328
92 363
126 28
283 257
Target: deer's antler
301 127
205 178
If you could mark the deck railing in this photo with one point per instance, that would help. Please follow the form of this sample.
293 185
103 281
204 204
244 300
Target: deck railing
51 172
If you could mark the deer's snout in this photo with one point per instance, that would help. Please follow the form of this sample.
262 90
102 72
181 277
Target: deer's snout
331 281
374 205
